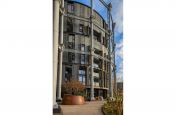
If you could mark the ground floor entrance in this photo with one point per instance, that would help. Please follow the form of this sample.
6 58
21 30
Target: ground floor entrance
97 93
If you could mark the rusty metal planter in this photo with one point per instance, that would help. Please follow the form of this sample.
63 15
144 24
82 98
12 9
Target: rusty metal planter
73 100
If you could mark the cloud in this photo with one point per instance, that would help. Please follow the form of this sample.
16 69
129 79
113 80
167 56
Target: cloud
119 60
117 13
119 49
119 74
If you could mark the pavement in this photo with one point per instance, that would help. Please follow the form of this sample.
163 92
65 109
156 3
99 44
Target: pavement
57 114
89 108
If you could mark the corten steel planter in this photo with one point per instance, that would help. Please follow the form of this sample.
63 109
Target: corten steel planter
73 100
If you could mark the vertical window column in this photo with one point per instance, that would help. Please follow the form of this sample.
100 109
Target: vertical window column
82 56
71 41
70 8
82 75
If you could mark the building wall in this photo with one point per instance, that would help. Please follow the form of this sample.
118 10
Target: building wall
75 40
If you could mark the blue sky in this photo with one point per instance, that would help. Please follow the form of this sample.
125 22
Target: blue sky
117 14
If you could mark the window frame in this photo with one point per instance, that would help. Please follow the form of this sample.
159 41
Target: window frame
81 28
70 8
82 76
82 58
82 46
71 41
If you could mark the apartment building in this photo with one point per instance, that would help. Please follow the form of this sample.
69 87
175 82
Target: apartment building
76 62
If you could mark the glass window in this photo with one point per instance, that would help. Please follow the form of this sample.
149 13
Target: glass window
68 73
82 58
82 47
82 72
81 28
70 8
82 76
97 36
70 38
84 80
96 79
71 56
69 24
71 42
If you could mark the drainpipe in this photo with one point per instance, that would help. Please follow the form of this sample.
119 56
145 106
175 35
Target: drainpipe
61 46
55 49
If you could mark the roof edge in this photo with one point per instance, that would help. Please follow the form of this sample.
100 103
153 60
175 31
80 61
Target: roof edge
88 7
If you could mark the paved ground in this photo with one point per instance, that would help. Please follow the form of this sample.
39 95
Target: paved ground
57 114
90 108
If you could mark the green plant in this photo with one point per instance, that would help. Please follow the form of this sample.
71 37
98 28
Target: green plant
114 106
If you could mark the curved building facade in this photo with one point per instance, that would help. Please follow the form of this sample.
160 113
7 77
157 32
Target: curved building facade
78 47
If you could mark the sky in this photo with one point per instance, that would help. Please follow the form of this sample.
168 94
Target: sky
117 14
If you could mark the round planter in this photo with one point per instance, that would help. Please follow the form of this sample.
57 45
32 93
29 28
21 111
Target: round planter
73 100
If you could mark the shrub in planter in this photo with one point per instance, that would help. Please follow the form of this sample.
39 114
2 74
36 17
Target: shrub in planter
74 92
114 106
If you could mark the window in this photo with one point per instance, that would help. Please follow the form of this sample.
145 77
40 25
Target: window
82 47
81 28
71 42
70 8
101 92
96 81
82 59
71 57
82 75
68 73
86 30
97 36
104 41
70 38
69 24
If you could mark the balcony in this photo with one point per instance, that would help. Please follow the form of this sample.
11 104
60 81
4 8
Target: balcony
96 65
97 44
96 74
96 84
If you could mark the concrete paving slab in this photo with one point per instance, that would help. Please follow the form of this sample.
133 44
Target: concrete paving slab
89 108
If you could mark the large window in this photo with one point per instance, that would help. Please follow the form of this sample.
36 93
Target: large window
97 36
96 81
81 26
71 42
69 24
82 75
71 57
82 48
70 8
68 73
82 58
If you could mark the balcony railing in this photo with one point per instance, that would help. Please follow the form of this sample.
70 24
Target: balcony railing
96 65
96 84
96 74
